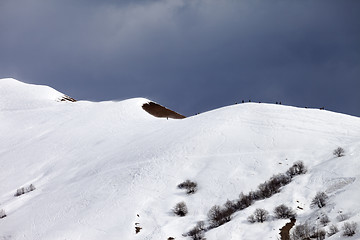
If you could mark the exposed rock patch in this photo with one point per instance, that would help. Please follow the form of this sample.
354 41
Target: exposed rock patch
160 111
67 98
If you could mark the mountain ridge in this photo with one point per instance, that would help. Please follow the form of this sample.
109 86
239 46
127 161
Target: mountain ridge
96 166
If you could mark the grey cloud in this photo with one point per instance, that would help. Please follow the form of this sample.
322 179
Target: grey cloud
189 55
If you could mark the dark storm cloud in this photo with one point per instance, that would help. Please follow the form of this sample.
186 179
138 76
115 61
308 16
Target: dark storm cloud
189 55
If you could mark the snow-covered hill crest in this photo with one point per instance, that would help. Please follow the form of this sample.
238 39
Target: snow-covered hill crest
103 168
16 95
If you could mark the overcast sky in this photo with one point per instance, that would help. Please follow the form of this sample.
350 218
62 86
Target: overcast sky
189 55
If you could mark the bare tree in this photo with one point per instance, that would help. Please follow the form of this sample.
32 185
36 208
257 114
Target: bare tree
243 202
319 200
264 190
197 233
333 229
218 216
319 234
230 206
284 212
339 152
296 169
180 209
324 219
261 215
349 229
300 232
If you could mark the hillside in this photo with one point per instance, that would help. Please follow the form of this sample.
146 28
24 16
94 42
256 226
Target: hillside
101 167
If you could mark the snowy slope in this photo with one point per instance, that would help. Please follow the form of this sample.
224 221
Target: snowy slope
96 166
18 95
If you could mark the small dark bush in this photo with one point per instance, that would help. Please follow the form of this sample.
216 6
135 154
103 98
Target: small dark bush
180 209
2 213
19 192
243 202
30 188
264 190
296 169
300 232
333 229
218 216
321 234
324 220
269 188
230 206
277 181
24 190
198 232
191 187
251 219
284 212
260 215
349 229
254 195
318 234
319 200
339 152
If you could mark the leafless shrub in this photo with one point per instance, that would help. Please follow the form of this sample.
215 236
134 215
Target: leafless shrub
300 232
264 190
339 152
230 206
279 180
333 229
2 213
296 169
198 232
180 209
324 219
30 188
319 200
24 190
260 215
349 229
318 234
254 195
218 216
269 188
284 212
251 218
191 187
243 202
19 192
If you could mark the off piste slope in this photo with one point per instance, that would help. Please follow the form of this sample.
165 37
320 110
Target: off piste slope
100 168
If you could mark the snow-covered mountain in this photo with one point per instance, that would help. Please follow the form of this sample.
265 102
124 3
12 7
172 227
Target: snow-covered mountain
102 168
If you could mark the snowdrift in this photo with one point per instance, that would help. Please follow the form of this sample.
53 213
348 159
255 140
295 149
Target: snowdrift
102 168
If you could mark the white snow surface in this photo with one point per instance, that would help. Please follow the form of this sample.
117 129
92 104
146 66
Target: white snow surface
97 165
18 95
